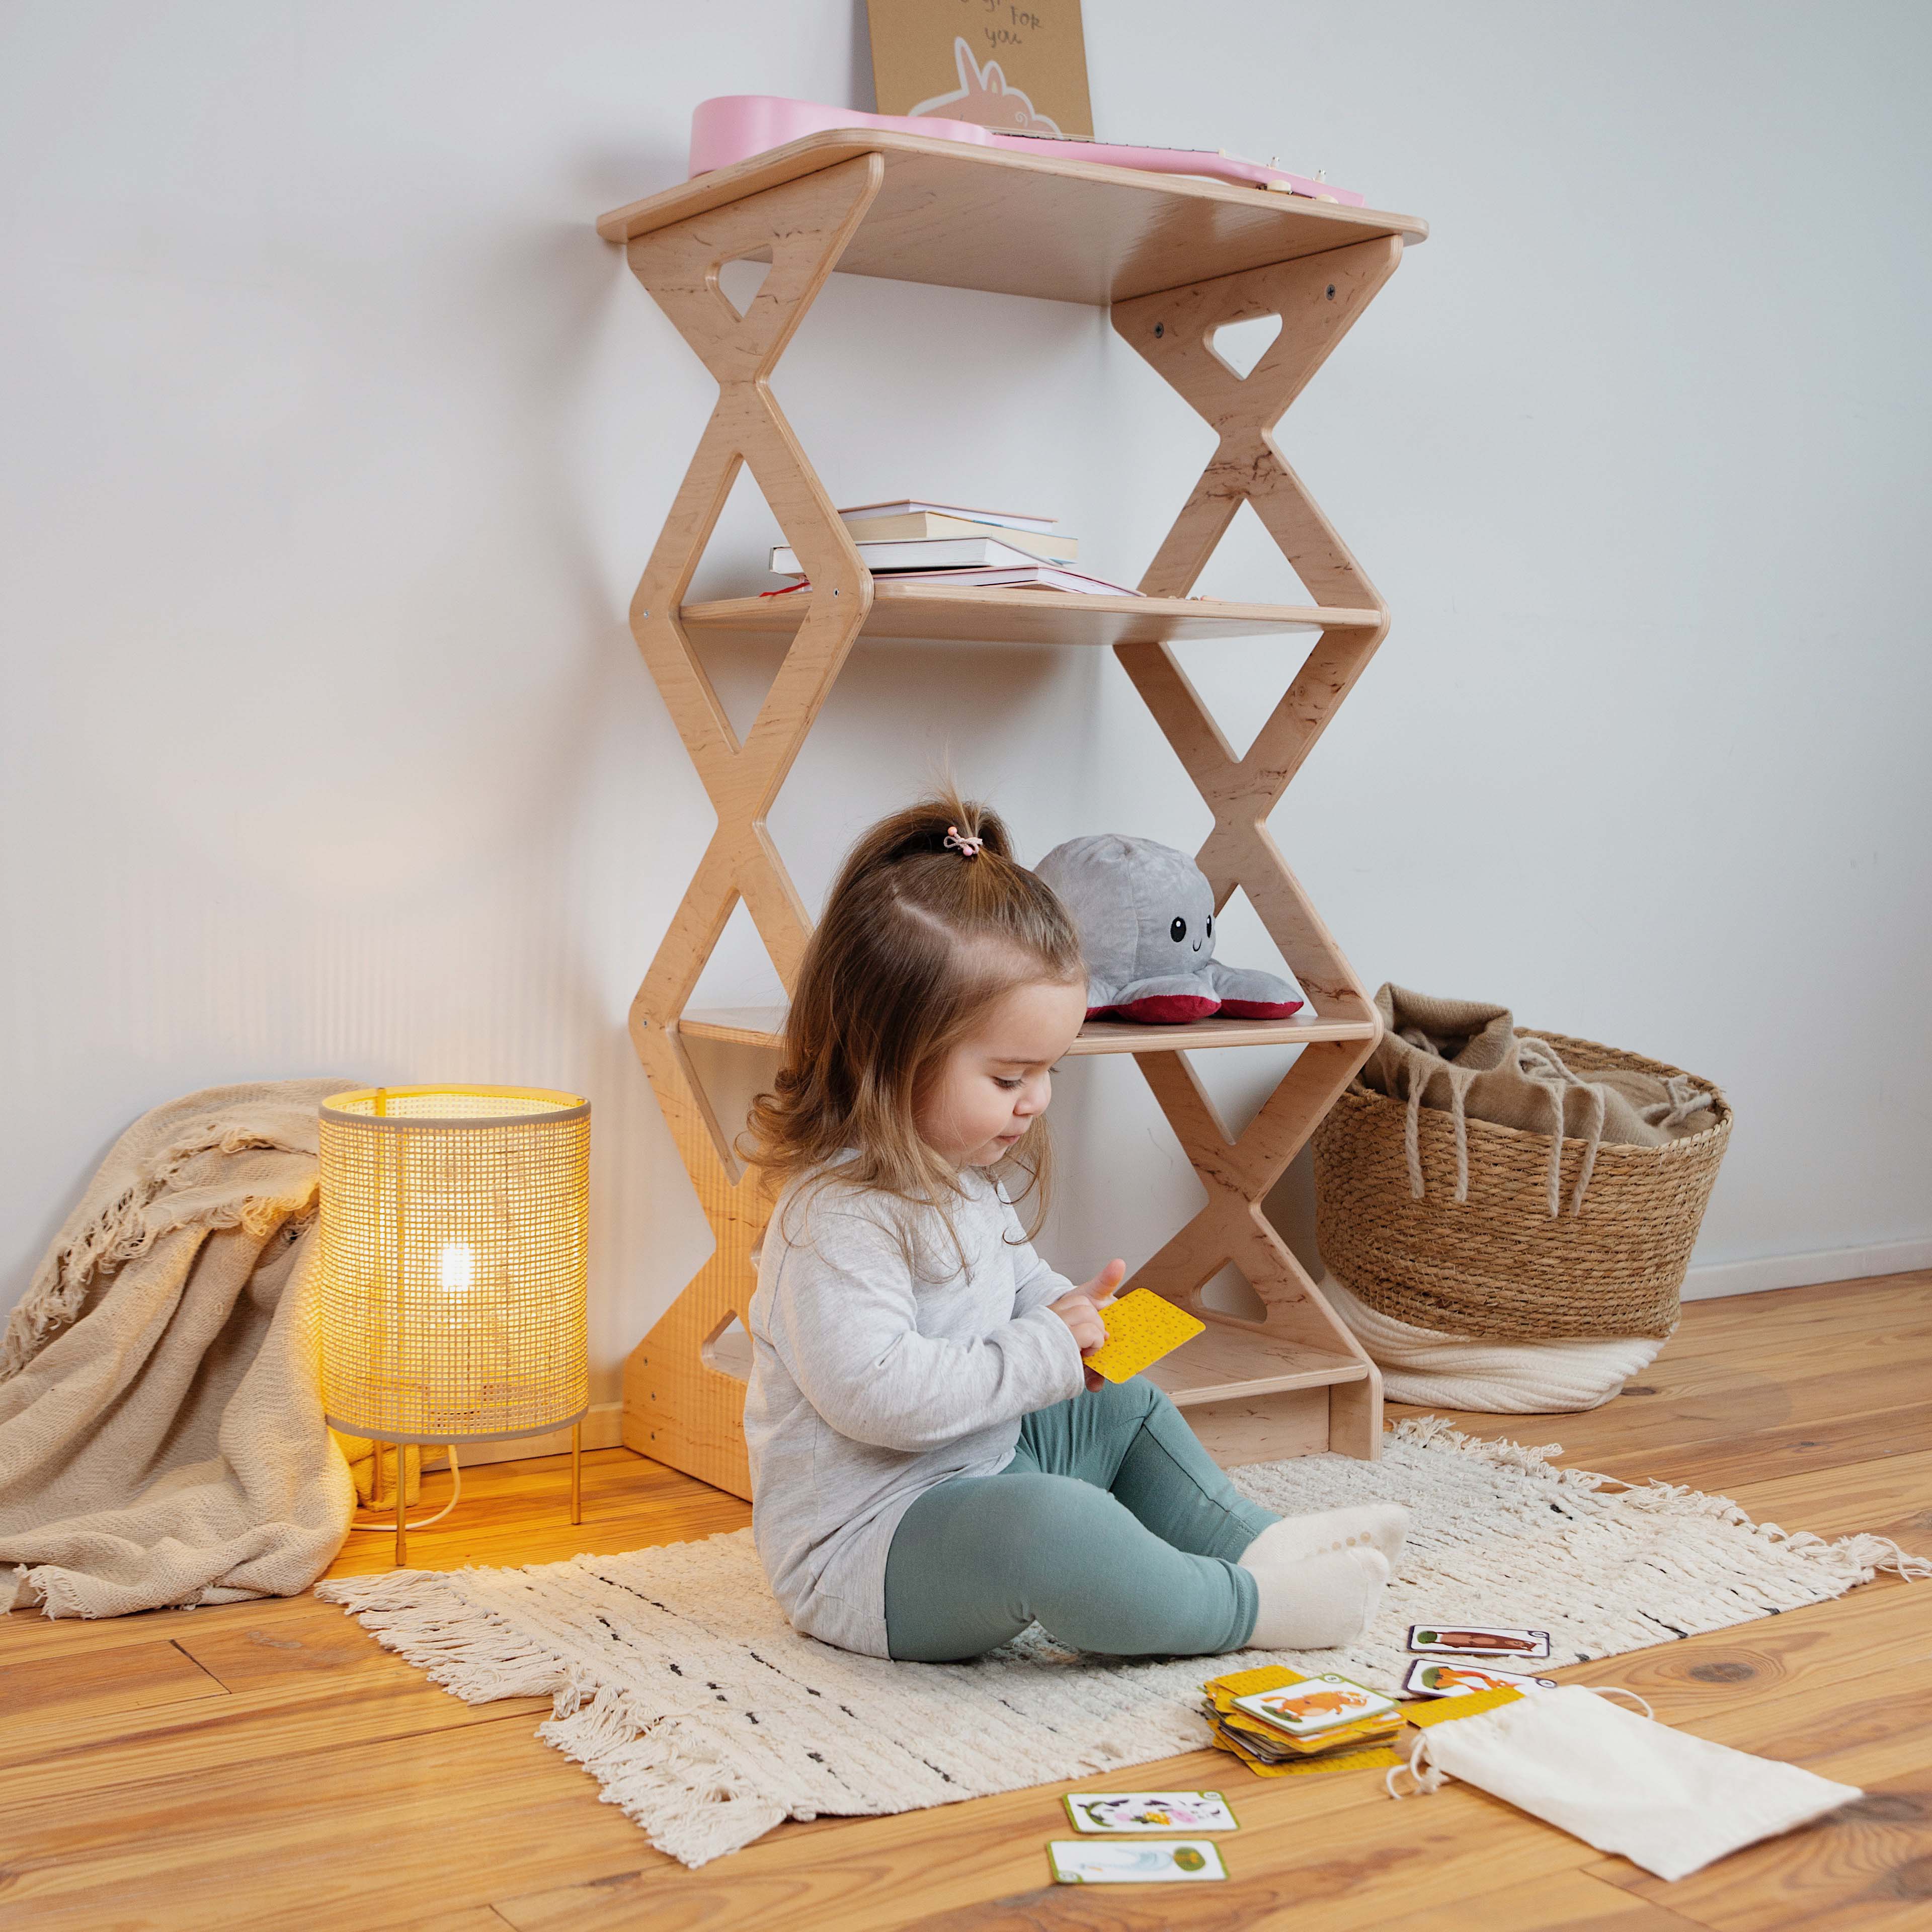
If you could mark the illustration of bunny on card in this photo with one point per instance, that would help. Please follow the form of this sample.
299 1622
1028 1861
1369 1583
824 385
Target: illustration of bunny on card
984 98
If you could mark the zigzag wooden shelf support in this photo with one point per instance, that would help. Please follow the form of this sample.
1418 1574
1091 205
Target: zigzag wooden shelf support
1317 299
682 1405
677 1407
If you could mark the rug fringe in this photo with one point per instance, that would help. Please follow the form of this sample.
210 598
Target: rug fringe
1846 1561
423 1616
1437 1432
664 1773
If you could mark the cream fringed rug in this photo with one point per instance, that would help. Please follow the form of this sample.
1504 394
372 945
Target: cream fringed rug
681 1687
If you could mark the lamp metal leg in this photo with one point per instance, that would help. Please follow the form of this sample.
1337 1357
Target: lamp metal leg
577 1472
402 1512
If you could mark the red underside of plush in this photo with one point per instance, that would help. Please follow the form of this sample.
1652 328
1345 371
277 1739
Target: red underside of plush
1170 1009
1177 1008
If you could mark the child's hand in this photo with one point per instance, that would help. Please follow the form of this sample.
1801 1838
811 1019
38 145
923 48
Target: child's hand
1080 1313
1100 1290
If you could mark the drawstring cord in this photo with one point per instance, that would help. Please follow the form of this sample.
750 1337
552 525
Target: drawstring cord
1460 1078
1428 1778
1537 1061
1686 1098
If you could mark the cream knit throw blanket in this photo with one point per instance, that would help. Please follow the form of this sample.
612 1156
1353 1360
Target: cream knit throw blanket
161 1434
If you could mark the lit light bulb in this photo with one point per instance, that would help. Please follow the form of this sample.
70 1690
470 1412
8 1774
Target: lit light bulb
457 1267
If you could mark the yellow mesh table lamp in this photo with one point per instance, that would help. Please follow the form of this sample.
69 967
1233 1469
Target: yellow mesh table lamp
455 1241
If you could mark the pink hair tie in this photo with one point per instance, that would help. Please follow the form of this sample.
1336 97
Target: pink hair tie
967 847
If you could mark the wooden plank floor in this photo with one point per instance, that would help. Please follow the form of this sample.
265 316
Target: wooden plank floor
267 1766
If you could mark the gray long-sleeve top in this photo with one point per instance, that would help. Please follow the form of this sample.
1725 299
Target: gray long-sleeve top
880 1368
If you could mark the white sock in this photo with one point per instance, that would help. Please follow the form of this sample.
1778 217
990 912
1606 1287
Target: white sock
1314 1603
1295 1538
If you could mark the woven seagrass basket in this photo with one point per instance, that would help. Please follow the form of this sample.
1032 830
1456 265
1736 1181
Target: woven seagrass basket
1497 1265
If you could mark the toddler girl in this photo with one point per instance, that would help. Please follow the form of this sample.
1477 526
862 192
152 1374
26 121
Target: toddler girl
932 1466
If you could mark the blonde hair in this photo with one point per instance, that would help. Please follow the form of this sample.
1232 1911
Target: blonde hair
923 929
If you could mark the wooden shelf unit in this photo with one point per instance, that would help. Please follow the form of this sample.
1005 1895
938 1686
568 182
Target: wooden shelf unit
1175 259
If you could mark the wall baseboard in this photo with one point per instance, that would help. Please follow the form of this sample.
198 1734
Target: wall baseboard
603 1429
1772 1271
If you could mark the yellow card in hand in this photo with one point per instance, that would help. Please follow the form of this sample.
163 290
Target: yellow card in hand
1141 1328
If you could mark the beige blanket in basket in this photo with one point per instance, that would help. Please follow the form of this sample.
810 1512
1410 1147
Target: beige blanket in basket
1468 1056
161 1432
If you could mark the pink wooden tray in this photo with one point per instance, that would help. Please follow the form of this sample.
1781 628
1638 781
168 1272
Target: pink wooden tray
732 127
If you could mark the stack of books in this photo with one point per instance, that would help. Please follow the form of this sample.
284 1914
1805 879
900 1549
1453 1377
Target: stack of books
1279 1723
930 543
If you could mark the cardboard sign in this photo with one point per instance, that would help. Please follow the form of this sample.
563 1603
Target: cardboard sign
1019 68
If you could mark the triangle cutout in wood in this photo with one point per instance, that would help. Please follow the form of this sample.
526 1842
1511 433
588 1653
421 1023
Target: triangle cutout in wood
1240 345
740 279
728 1349
1229 1292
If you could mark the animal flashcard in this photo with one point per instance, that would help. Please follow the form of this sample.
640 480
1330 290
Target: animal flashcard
1096 1862
1150 1811
1478 1640
1322 1704
1426 1679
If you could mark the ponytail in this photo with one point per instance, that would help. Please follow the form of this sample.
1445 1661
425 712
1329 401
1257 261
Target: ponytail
929 921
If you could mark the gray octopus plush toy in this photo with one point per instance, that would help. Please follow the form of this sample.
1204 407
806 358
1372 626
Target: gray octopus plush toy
1145 915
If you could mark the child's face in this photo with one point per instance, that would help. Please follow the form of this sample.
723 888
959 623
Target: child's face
1000 1078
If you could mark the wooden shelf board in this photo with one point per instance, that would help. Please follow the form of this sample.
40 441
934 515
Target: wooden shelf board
764 1026
993 615
1227 1362
1224 1364
1047 225
1123 1036
736 1026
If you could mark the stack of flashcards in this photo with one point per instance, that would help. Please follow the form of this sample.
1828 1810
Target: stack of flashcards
1141 1328
1100 1815
1279 1723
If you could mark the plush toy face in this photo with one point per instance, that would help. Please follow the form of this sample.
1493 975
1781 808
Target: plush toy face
1173 913
1145 910
1145 914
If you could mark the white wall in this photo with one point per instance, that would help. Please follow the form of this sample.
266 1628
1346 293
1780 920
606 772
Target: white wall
335 441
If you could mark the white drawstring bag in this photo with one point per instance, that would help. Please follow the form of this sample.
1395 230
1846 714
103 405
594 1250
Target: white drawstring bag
1668 1802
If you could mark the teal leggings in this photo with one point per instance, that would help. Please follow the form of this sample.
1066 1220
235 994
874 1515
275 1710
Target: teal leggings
1111 1525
